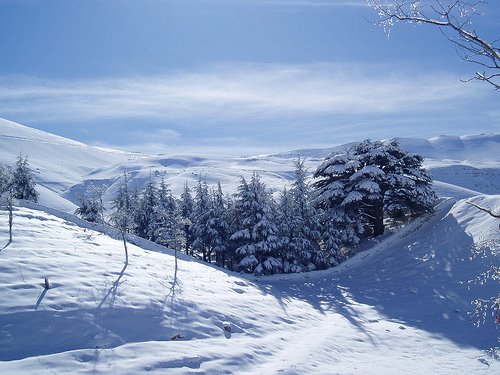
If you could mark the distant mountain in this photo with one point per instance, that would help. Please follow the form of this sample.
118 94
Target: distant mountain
462 166
478 148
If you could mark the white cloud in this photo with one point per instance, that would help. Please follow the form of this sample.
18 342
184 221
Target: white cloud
314 3
222 146
162 135
231 92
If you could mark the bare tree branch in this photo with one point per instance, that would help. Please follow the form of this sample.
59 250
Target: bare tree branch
454 18
491 213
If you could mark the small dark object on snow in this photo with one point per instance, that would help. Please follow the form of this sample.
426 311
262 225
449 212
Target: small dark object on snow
177 336
47 285
227 327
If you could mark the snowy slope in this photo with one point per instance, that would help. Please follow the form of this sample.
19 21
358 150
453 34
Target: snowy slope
398 307
59 163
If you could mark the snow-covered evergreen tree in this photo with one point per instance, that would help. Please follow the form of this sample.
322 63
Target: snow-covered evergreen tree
219 226
166 227
134 198
7 193
257 235
145 213
245 249
392 180
185 217
23 182
91 206
201 218
233 226
411 191
122 216
355 188
284 217
340 217
6 178
303 250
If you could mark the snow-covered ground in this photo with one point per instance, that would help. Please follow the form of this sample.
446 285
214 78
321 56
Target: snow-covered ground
398 307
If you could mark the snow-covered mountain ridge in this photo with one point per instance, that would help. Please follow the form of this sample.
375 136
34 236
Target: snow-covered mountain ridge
461 166
479 148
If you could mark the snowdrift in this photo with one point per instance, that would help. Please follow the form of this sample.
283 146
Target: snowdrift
400 306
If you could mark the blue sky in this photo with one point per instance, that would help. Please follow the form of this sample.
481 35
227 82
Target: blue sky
233 76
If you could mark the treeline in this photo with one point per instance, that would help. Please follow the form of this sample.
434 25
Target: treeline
309 226
248 231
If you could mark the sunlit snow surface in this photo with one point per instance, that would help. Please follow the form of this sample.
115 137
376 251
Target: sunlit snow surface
398 307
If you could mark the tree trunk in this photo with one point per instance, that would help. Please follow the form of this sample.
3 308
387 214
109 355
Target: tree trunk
378 218
11 219
175 271
188 240
124 237
189 245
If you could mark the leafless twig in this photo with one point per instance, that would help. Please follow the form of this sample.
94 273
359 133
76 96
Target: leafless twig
454 18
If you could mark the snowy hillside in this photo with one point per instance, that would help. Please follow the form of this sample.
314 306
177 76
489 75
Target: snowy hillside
398 307
480 148
59 163
462 166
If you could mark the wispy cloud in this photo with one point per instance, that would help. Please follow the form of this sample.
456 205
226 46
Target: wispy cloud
313 3
153 136
230 92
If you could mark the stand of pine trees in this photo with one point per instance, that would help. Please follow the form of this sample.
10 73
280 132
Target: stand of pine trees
308 227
